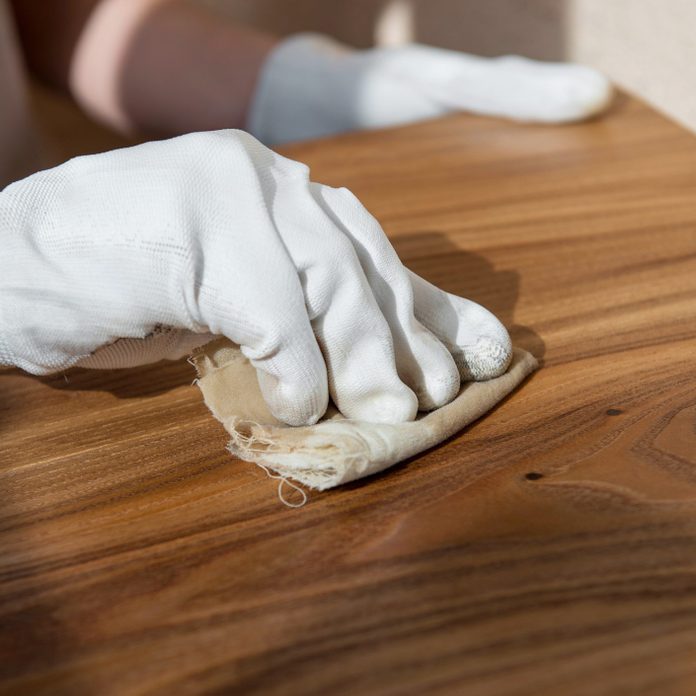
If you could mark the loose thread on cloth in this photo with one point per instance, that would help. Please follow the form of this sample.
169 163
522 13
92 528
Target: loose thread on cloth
282 480
192 362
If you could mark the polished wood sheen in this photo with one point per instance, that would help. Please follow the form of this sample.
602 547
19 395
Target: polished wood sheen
549 549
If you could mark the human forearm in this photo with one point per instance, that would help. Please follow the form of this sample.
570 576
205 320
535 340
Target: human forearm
155 66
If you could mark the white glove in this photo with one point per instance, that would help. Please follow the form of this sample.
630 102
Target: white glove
213 234
312 86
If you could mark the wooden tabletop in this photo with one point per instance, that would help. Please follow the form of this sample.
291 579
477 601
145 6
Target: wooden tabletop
549 549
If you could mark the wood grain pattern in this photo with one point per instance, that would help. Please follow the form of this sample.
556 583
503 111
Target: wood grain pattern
550 549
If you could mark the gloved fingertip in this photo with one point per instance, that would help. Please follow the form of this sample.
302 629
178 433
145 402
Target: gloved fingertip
590 92
438 391
384 407
294 403
487 359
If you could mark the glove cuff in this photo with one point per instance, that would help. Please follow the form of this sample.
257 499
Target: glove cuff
305 90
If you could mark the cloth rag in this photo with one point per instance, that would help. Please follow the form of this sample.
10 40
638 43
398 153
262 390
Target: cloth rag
335 450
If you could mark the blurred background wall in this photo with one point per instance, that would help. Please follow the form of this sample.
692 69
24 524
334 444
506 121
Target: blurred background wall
645 46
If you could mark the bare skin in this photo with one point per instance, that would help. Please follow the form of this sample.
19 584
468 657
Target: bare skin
158 67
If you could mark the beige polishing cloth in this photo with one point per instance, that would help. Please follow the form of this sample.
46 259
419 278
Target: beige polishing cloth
335 450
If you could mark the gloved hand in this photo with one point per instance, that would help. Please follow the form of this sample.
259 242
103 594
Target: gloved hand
143 253
312 86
